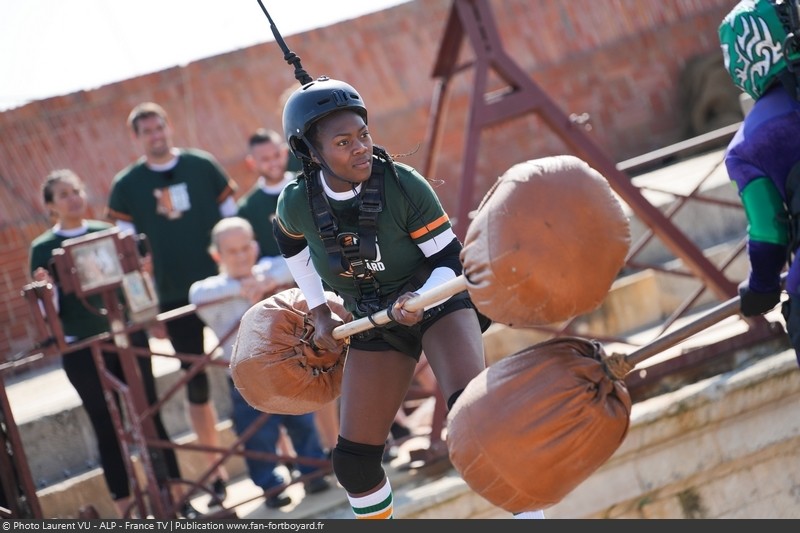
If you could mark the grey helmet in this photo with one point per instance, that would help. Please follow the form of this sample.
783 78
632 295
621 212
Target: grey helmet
313 101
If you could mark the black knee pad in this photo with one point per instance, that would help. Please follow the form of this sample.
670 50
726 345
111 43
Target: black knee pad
197 389
357 466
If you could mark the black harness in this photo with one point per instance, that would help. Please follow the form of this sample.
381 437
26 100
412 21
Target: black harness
789 78
348 251
792 188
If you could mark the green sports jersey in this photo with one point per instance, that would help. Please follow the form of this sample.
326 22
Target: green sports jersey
258 207
176 209
410 216
76 320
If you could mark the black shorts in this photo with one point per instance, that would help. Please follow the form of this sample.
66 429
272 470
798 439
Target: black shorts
408 339
186 333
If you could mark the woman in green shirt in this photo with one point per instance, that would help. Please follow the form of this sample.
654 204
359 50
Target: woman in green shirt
64 196
374 231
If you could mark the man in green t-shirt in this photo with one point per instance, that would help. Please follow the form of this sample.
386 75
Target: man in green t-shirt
268 156
175 196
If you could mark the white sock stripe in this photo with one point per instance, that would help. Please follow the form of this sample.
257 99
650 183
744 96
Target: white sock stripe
379 503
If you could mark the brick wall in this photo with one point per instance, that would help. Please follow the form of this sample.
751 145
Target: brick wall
620 61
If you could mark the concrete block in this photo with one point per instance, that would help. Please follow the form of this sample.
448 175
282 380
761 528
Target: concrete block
65 499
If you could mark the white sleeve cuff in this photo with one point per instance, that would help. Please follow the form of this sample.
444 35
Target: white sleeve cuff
307 279
228 207
439 276
124 226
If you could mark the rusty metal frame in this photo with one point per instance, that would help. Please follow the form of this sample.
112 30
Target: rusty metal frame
150 497
18 490
473 21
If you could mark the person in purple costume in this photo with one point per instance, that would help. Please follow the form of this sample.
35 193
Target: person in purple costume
763 158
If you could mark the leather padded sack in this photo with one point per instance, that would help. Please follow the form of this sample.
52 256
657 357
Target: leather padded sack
273 365
531 427
546 243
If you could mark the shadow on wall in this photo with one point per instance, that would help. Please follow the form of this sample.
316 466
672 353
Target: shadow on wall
708 97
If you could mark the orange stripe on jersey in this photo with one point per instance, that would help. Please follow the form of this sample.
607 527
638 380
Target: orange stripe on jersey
116 215
430 227
225 194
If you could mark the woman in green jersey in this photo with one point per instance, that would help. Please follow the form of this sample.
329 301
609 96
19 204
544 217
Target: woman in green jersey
374 231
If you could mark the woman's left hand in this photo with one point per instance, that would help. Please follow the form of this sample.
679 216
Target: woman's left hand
403 316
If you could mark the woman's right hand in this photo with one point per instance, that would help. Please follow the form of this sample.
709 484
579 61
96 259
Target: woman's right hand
400 315
41 274
324 324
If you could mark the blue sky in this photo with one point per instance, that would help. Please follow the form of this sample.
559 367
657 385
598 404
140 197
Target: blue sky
55 47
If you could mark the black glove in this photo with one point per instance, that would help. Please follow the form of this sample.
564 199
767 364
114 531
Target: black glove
756 303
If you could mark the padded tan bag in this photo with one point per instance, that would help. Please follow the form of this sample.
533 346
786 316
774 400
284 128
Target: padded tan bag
546 243
275 368
534 425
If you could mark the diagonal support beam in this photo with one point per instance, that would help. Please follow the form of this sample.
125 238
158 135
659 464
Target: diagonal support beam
473 20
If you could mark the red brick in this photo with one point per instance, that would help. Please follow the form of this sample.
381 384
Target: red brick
621 65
